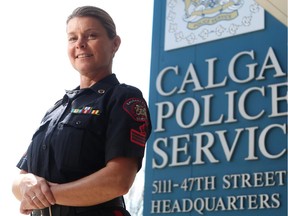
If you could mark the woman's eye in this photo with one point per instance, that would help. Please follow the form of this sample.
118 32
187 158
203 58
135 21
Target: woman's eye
72 39
92 36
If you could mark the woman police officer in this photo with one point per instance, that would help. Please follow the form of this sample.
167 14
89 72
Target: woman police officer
90 144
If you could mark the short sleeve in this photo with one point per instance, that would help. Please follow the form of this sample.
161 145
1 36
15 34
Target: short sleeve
129 124
22 164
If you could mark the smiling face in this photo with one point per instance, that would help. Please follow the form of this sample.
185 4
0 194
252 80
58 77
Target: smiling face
90 50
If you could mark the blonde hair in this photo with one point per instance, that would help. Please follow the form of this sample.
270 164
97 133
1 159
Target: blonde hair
97 13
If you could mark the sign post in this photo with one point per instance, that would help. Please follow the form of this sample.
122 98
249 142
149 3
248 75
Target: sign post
218 101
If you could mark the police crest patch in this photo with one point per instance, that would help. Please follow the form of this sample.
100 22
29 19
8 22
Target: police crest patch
136 108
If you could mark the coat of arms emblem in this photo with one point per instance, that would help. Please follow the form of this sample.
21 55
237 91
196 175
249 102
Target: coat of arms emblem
190 22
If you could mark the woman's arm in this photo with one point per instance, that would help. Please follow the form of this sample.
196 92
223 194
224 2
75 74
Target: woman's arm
112 181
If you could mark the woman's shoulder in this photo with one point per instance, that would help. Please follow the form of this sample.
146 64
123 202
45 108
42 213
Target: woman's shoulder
126 89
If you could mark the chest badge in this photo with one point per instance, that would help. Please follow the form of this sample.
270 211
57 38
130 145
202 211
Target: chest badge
86 110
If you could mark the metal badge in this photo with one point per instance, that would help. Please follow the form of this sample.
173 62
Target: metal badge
101 91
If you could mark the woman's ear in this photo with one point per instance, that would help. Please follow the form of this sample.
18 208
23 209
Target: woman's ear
116 42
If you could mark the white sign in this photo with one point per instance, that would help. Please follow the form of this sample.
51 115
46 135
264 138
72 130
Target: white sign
190 22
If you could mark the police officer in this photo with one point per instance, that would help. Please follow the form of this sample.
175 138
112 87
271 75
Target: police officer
90 144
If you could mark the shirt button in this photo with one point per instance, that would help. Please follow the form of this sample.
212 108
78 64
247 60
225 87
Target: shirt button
44 146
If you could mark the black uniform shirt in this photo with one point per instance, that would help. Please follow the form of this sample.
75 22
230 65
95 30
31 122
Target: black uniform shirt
88 128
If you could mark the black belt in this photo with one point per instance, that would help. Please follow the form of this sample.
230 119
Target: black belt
59 210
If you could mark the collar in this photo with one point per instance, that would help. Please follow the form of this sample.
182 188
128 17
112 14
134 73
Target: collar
100 87
103 85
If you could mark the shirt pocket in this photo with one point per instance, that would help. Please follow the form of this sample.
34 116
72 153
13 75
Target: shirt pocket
78 121
43 126
76 145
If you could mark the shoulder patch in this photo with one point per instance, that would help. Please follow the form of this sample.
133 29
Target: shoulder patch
136 108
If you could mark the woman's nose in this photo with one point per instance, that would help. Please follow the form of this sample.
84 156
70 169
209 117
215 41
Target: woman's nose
81 44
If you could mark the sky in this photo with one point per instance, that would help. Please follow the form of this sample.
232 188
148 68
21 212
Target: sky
35 70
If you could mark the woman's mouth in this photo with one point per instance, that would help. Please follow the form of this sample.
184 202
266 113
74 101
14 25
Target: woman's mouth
84 55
